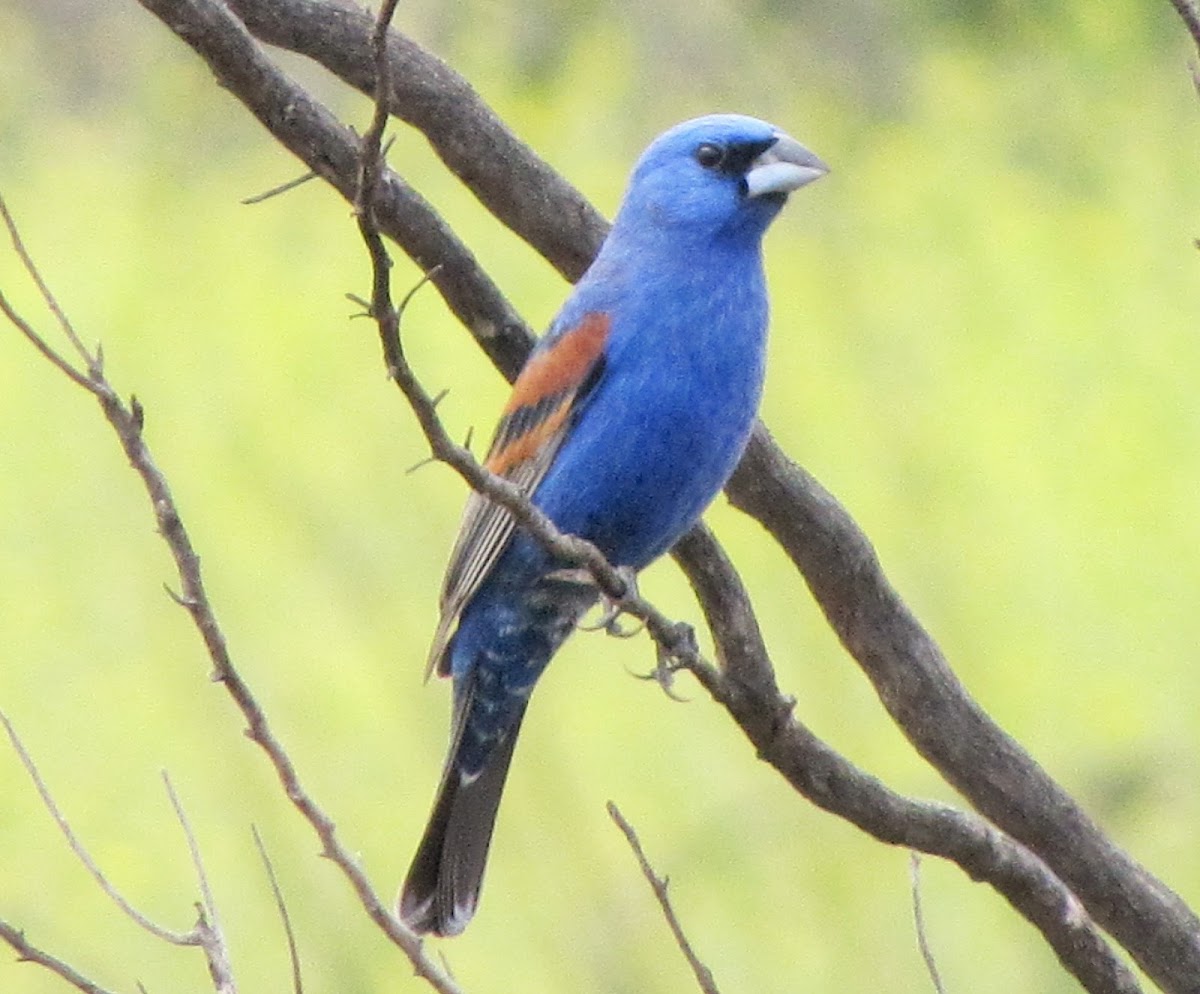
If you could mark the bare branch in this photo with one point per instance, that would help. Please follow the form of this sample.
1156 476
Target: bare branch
27 329
293 950
948 727
78 848
745 685
370 175
658 884
910 674
672 638
29 953
126 424
854 596
206 934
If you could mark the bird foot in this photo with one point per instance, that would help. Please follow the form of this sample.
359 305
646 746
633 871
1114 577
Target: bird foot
611 609
667 663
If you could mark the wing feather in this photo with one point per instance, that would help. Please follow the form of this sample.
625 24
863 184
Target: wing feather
534 425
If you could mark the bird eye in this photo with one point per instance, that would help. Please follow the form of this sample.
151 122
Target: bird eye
710 156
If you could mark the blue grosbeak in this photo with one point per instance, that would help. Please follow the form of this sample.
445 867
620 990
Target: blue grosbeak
625 423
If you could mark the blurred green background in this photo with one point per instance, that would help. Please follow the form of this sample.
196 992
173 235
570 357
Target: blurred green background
985 343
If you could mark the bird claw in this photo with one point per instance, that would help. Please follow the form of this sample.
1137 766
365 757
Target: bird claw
666 664
609 620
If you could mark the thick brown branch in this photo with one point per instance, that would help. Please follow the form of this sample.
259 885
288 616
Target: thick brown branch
501 170
745 685
949 728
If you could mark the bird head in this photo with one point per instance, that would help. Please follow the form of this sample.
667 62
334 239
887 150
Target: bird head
724 174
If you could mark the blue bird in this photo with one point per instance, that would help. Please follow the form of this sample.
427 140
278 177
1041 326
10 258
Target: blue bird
625 423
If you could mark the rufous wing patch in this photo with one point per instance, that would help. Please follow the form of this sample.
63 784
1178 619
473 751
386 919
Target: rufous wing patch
563 366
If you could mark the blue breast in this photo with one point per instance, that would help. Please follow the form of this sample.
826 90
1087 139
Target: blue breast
669 418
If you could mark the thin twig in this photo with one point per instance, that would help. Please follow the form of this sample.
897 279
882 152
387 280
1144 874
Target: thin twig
914 870
77 847
29 953
674 640
671 637
370 173
276 890
93 362
658 884
194 850
24 326
216 950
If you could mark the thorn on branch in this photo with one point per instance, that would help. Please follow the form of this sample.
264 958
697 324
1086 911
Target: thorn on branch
421 464
354 298
275 191
184 602
426 277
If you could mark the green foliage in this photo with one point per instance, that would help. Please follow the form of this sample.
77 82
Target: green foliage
984 342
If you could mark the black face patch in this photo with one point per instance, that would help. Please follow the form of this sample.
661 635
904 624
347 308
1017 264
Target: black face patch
738 156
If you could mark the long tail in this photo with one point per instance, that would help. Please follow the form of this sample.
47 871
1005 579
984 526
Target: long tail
441 890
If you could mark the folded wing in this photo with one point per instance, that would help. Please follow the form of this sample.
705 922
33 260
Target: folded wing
536 420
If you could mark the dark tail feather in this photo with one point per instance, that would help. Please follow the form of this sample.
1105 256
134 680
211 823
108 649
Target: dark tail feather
442 887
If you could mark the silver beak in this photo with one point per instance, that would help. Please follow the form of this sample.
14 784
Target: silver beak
785 166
